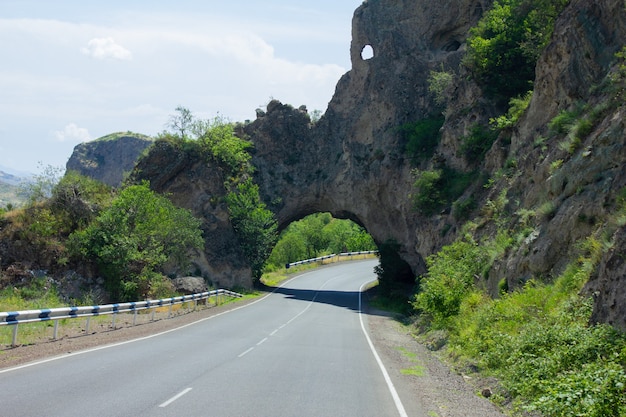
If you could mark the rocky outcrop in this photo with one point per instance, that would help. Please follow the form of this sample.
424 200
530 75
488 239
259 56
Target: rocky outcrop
352 162
110 158
189 285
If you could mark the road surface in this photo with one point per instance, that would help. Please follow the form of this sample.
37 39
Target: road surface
300 351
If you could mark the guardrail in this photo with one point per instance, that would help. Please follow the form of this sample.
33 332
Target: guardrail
323 258
14 318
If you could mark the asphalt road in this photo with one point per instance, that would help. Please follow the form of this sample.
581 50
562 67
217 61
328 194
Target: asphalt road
300 351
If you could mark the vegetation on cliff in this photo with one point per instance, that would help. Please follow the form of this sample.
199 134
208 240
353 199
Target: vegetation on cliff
216 141
535 334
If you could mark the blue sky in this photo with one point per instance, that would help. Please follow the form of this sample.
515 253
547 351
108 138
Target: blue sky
73 71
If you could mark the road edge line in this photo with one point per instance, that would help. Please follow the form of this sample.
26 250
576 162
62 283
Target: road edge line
392 389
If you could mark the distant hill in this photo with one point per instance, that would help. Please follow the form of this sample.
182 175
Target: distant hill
10 191
108 158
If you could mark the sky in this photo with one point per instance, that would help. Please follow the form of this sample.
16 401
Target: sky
76 70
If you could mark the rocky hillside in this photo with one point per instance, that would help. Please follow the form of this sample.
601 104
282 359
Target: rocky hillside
109 158
556 171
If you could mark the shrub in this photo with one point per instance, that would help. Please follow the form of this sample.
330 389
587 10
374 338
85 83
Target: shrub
475 145
439 83
504 46
254 224
450 278
438 188
422 137
429 197
517 107
134 237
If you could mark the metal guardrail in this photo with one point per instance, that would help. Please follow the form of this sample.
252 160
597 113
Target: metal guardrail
323 258
14 318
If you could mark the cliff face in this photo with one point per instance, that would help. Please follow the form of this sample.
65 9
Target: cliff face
109 158
352 162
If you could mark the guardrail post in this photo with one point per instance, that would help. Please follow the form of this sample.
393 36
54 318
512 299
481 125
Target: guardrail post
14 341
135 317
87 325
169 311
56 330
153 311
113 320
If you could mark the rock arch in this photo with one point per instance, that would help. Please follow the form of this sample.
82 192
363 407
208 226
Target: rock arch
350 162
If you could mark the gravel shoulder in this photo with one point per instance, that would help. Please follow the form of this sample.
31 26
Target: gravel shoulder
427 387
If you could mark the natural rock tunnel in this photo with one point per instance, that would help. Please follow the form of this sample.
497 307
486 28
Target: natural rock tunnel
352 162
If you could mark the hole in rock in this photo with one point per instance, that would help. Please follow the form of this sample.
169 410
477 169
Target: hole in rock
367 52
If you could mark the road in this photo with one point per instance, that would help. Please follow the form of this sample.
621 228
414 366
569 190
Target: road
300 351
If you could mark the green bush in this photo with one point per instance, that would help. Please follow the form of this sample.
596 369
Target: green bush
451 275
429 197
422 137
504 46
254 224
438 188
475 145
517 107
134 237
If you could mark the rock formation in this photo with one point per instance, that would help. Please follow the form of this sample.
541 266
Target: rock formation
352 162
109 158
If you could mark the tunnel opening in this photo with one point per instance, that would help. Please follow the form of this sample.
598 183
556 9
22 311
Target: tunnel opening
320 234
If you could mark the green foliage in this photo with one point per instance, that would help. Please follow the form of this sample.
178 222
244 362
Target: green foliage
78 199
316 235
475 145
40 187
439 83
430 189
438 188
537 340
217 137
451 275
517 107
422 137
563 122
134 237
254 223
505 45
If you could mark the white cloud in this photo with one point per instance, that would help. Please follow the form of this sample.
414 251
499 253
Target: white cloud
106 48
72 132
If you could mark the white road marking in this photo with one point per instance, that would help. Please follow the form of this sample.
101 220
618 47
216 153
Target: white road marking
175 397
241 355
80 352
261 342
392 389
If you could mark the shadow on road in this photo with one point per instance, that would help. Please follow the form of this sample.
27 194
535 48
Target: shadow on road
343 299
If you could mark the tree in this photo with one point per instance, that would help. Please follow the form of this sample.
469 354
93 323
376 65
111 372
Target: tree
134 237
40 187
181 122
505 45
255 225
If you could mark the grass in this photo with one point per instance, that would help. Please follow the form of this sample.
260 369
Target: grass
37 332
417 369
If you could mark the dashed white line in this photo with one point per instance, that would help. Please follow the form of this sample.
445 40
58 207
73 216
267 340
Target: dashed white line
175 397
261 342
241 355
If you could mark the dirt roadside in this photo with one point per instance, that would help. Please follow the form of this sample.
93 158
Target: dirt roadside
426 386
